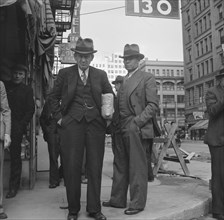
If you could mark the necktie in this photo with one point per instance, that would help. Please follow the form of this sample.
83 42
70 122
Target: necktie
83 77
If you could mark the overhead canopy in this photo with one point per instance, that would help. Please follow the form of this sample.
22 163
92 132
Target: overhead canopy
202 124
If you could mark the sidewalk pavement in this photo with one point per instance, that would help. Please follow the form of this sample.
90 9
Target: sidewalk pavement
170 197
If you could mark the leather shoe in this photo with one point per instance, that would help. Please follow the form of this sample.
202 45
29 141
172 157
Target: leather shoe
108 204
98 216
218 216
131 211
54 185
3 215
72 217
12 193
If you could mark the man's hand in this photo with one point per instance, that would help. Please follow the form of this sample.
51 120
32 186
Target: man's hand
7 141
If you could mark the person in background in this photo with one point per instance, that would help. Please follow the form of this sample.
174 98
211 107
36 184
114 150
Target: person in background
215 139
21 103
50 135
138 104
5 140
76 106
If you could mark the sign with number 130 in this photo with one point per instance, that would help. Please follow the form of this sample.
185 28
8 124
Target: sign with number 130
153 8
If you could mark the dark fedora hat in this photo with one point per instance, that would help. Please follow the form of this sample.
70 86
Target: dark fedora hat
119 79
84 46
131 50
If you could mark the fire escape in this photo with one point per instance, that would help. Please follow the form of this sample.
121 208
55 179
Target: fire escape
63 13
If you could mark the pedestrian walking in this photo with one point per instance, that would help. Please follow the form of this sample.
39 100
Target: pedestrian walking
76 105
5 140
138 104
215 139
21 103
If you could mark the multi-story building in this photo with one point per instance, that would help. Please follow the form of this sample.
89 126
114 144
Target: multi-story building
170 84
203 27
113 65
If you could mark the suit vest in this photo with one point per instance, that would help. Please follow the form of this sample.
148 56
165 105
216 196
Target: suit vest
83 104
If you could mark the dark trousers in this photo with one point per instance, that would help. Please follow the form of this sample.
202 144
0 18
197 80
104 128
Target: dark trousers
15 156
149 160
130 168
54 152
74 137
217 184
120 183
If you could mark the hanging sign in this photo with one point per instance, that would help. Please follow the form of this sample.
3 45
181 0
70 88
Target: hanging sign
153 8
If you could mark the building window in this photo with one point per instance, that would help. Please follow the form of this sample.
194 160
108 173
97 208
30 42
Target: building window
206 67
178 72
205 23
190 75
206 45
211 65
200 94
168 99
199 70
220 34
197 49
188 16
220 13
202 69
189 55
180 98
157 71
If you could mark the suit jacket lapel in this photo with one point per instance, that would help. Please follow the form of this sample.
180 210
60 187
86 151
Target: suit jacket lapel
92 76
72 81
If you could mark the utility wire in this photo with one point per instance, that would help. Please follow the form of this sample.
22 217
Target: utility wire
110 9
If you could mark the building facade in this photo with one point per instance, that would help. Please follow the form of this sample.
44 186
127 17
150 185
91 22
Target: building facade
113 65
203 28
170 84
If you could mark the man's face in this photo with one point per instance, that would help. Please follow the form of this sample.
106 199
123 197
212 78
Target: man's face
18 76
83 60
131 63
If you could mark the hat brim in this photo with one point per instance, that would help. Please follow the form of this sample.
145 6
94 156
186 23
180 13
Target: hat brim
83 52
141 56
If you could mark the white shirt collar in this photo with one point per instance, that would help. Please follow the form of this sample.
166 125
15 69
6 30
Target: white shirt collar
86 72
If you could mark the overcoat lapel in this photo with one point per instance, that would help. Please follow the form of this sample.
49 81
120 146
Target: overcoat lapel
134 81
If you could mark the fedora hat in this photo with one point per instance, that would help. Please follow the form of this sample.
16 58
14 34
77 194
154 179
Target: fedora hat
84 46
119 79
131 50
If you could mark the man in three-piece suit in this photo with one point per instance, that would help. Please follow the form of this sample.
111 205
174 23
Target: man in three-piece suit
76 105
138 103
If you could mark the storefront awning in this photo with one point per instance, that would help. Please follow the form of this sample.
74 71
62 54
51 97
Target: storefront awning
203 124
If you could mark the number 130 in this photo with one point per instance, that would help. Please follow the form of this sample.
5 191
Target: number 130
147 8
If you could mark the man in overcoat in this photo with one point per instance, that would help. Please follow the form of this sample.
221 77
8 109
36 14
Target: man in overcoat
215 139
76 106
138 104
